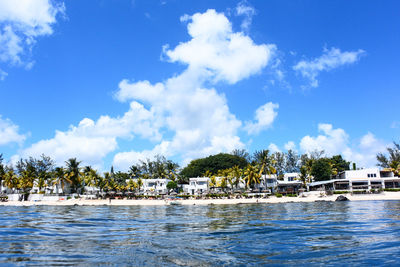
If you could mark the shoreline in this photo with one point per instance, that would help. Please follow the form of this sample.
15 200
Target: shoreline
200 202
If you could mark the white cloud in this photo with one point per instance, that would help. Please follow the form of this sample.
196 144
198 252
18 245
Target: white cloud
217 51
244 9
9 133
264 117
20 23
332 141
290 146
91 141
336 141
199 117
65 145
330 59
365 153
180 115
273 148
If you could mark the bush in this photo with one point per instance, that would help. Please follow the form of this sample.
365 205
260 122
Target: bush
217 195
391 189
278 195
68 197
291 195
360 192
184 196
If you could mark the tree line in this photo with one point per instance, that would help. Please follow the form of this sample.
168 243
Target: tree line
233 168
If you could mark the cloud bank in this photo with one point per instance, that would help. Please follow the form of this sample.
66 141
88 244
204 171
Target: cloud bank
183 115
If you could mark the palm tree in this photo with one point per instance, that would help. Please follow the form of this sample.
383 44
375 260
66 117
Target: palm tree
25 180
171 169
11 180
224 174
252 176
74 174
236 173
303 175
41 182
139 183
60 178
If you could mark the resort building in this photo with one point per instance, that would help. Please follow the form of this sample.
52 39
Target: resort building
197 186
291 176
291 183
267 183
364 179
154 186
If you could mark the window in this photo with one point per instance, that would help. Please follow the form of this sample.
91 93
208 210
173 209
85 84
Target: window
369 175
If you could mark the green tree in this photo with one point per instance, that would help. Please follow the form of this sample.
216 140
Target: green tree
11 179
237 174
340 164
172 185
214 163
242 153
321 169
60 178
304 175
292 161
392 161
251 176
279 163
74 174
264 161
2 169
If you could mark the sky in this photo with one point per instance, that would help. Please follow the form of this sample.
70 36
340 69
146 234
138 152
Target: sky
113 82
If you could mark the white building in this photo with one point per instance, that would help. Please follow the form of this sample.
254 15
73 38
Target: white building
364 179
197 186
154 186
268 182
291 176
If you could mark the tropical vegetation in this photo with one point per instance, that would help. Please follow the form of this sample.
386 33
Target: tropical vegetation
238 167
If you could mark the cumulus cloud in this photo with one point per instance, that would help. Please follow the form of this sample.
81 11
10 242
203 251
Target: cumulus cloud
182 115
244 9
336 141
199 117
264 117
21 22
273 148
290 146
219 52
332 141
330 59
365 153
9 133
91 141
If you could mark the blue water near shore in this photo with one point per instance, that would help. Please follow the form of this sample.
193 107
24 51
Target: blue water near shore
321 233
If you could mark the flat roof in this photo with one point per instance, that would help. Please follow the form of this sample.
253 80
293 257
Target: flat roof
357 179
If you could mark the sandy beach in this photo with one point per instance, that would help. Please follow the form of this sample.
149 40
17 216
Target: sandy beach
149 202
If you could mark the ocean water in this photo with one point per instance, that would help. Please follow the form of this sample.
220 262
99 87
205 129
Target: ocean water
363 233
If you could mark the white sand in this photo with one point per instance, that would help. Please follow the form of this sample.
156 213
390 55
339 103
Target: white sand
311 197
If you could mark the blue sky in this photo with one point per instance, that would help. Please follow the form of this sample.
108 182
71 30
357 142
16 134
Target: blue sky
112 82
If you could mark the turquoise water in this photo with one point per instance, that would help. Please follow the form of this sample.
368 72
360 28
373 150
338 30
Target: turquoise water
322 233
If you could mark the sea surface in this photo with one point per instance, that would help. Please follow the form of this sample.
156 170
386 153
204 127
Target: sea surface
363 233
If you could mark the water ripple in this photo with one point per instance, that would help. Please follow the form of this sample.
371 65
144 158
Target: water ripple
323 233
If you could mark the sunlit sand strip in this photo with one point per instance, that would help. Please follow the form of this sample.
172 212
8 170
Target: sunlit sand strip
149 202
